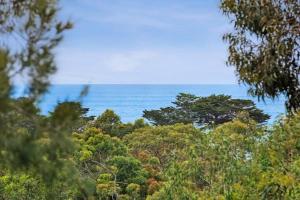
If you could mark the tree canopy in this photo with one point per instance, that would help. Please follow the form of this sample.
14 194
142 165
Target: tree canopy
264 46
235 160
211 110
110 123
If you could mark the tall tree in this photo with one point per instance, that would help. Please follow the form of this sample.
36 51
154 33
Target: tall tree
211 110
264 46
29 31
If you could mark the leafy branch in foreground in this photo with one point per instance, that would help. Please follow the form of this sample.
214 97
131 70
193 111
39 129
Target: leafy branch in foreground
264 47
32 144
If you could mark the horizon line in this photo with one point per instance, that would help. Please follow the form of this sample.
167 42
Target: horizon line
146 84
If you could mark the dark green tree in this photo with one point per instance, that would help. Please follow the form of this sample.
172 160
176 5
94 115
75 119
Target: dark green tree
211 110
75 112
264 46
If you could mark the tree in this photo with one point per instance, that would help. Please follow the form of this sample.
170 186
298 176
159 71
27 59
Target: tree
244 161
279 161
75 112
32 145
31 30
264 47
129 170
21 187
107 121
105 163
110 123
158 148
211 110
178 185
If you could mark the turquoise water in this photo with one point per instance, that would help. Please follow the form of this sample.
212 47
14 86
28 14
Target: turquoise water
129 101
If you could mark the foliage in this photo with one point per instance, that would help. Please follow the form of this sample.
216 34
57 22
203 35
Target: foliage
250 163
106 160
21 187
160 145
211 110
75 112
107 121
178 185
160 149
110 123
279 161
35 150
31 30
67 155
264 46
235 160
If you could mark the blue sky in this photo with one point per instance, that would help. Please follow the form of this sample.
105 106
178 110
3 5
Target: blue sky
144 41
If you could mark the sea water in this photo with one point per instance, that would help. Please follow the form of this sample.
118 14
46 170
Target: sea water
129 101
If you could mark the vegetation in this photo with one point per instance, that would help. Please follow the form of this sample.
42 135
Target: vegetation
264 46
68 155
110 123
203 111
239 159
34 149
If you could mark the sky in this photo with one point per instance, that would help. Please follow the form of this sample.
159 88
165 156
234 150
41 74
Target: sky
144 42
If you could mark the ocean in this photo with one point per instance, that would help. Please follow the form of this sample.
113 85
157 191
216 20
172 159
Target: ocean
129 101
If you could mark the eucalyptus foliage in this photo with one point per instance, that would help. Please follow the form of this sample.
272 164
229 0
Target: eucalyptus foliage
264 46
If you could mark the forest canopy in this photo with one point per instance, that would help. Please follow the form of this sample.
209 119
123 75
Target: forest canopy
239 159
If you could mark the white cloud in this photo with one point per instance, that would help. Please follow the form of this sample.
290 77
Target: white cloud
143 66
118 41
128 61
120 61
